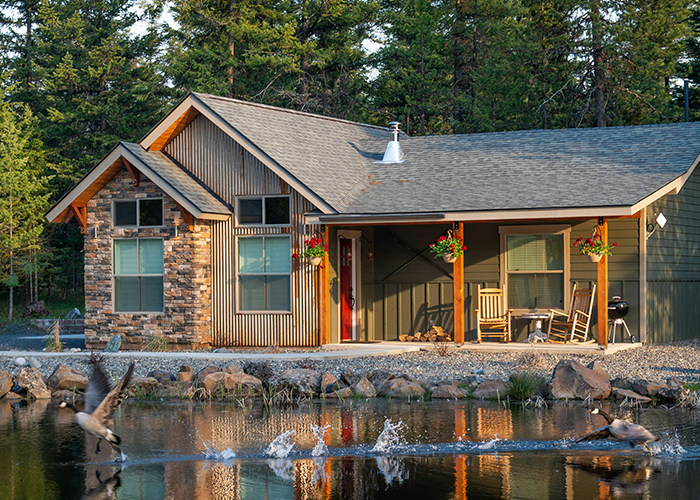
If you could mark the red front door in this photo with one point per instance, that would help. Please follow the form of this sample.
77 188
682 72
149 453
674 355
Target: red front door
347 295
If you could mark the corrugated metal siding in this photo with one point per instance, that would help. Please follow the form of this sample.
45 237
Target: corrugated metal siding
673 266
230 171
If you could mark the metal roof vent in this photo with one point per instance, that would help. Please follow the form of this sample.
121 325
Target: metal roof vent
393 153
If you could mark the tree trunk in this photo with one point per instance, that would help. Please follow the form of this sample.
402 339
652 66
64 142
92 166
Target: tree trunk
598 64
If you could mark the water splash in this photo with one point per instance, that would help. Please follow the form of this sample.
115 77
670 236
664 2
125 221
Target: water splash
211 452
393 469
489 445
389 438
282 468
668 446
282 445
122 458
320 433
320 473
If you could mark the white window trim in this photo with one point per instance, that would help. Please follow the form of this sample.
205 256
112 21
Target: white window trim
563 229
114 276
263 197
238 274
138 211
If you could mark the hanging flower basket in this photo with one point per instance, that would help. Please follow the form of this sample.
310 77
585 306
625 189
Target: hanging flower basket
314 260
594 257
594 248
449 258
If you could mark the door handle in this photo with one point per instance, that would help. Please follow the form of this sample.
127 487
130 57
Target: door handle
352 300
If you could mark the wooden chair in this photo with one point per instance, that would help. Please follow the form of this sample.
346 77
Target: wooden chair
492 317
572 326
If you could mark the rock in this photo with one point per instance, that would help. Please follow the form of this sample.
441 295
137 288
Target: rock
36 309
491 389
299 380
407 390
114 344
32 381
622 383
260 370
378 377
446 391
74 349
206 371
34 363
329 383
624 393
646 388
222 384
74 313
20 361
246 384
390 385
673 390
572 380
65 377
351 377
221 350
345 392
185 374
597 367
161 376
140 385
12 396
364 387
6 382
233 368
68 396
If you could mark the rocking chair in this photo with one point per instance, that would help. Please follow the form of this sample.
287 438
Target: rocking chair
572 326
492 317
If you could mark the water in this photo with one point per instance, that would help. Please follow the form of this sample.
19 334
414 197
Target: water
350 450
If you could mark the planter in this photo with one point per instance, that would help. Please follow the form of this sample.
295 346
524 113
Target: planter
315 260
593 257
449 258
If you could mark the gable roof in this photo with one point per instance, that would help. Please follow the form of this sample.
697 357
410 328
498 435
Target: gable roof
167 175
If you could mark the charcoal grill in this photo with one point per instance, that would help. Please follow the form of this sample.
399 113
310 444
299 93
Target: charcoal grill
617 310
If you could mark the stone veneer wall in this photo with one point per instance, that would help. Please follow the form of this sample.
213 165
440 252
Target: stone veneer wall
186 317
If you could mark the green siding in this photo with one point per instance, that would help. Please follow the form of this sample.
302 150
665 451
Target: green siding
673 266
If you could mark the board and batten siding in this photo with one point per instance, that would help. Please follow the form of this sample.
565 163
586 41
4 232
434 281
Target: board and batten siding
673 266
420 295
230 171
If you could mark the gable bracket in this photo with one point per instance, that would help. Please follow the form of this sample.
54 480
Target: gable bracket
80 213
186 216
133 172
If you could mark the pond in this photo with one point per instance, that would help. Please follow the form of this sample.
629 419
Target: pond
346 450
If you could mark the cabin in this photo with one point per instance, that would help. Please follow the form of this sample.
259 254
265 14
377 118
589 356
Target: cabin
195 232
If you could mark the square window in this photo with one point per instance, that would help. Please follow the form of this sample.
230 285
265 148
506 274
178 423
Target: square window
150 213
277 211
250 211
125 213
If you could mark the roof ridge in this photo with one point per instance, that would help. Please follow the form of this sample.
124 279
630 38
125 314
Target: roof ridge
291 111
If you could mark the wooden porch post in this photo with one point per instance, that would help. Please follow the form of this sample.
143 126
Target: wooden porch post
603 287
323 293
458 288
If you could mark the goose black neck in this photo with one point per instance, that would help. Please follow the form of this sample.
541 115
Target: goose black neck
69 405
605 416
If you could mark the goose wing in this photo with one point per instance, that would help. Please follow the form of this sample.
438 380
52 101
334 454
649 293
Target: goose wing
105 411
638 434
97 389
599 433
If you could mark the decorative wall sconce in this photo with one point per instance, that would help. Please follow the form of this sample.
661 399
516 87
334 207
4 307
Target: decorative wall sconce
659 222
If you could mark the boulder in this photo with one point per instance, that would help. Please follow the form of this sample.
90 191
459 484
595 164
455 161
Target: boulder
622 383
330 384
345 392
68 396
32 381
12 396
597 367
142 385
491 389
223 383
246 384
6 382
65 377
378 377
624 393
34 363
390 385
448 391
36 309
646 388
407 390
233 368
351 377
206 371
185 374
74 313
299 380
161 376
364 387
572 380
673 390
260 370
20 361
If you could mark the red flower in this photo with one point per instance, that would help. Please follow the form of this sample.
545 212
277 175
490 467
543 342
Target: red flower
464 247
614 244
295 255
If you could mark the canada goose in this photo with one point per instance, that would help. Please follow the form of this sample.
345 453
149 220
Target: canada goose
100 402
620 430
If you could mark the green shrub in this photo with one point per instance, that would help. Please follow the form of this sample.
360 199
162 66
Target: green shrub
523 385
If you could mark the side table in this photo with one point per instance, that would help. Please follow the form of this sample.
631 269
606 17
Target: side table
538 334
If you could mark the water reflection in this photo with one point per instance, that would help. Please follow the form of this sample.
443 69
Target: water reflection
437 450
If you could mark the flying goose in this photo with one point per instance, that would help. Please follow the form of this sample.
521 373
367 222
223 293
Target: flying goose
620 430
100 402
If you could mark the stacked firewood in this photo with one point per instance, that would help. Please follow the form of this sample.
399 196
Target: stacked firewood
435 334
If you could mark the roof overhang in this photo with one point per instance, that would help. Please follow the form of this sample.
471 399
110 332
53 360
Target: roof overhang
105 171
191 107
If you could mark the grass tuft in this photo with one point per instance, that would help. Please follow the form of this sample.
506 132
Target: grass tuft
156 343
523 385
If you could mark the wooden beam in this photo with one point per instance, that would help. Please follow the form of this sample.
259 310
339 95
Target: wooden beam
178 124
603 287
186 216
458 288
323 296
133 172
80 213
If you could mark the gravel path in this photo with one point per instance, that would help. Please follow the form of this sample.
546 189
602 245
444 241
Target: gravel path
653 363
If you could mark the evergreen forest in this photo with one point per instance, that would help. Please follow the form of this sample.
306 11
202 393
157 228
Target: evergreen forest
77 76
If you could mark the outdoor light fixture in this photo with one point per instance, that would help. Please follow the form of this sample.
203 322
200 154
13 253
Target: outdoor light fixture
659 222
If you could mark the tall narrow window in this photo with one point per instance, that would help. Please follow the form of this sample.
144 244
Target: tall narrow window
535 266
138 275
264 273
264 211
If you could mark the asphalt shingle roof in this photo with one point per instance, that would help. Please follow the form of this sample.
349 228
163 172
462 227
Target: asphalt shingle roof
537 169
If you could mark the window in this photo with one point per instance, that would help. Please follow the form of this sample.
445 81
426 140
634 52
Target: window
264 211
264 269
536 265
138 275
148 212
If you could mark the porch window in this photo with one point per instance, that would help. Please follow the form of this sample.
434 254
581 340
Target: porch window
264 273
264 211
138 275
144 212
536 266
